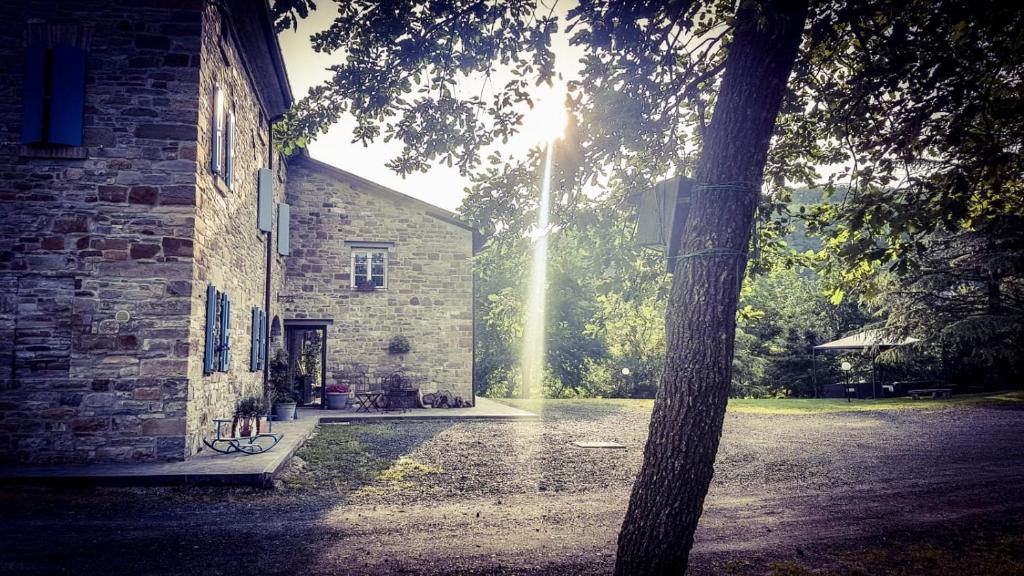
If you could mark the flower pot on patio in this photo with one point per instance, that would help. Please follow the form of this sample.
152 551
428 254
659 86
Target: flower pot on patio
337 401
284 411
338 396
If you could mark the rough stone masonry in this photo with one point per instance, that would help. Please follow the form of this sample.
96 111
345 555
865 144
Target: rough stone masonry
107 247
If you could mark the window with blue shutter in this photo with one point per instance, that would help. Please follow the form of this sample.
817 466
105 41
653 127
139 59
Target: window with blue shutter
35 88
284 212
217 138
210 349
68 98
254 350
262 361
225 333
265 202
54 95
229 150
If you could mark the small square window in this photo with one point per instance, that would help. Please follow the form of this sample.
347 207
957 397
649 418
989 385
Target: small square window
369 267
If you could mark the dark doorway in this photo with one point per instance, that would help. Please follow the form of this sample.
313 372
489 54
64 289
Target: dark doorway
306 343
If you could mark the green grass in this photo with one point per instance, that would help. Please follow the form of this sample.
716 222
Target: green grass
780 405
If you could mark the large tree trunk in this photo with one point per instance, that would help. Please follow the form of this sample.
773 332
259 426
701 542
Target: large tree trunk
668 495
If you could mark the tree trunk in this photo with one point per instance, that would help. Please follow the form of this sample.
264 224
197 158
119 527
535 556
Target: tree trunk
668 494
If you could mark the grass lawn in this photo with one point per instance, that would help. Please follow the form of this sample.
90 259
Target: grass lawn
792 405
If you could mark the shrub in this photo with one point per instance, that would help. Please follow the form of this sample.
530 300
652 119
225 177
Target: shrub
338 389
399 345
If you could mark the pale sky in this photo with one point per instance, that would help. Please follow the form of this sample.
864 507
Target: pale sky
441 186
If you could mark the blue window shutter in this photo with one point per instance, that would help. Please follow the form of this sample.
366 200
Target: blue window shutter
263 341
264 213
229 151
218 130
254 342
67 100
210 349
34 86
225 333
284 214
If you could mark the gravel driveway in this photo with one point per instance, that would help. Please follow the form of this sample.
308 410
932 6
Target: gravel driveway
517 498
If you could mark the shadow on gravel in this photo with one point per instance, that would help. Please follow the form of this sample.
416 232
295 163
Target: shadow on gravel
209 530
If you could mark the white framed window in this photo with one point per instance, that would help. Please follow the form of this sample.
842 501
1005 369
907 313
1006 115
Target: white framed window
370 267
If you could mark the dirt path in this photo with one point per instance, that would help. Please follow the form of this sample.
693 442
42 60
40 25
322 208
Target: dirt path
514 498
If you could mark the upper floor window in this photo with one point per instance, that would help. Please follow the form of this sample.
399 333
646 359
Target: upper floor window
370 268
222 149
54 95
217 145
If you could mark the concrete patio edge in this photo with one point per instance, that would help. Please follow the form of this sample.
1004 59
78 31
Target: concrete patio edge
259 470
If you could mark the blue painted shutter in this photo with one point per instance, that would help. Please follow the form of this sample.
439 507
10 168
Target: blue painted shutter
284 213
263 340
67 99
34 86
218 130
254 342
229 151
266 200
209 352
225 333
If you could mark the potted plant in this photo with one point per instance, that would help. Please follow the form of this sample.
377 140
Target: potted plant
248 411
338 396
285 406
399 345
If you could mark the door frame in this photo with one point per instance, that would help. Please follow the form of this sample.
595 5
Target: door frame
306 325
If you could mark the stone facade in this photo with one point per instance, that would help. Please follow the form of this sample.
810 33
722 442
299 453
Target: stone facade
230 251
105 249
428 298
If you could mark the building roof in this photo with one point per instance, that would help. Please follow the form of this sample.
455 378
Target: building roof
448 216
865 340
254 29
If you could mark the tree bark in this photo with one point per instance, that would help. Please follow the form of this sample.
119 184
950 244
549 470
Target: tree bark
668 495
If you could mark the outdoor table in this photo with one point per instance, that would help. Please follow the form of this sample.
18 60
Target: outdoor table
369 400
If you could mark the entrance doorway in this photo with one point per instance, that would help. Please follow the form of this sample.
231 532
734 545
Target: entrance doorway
306 343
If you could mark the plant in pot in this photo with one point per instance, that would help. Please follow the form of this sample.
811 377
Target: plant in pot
399 345
338 396
248 411
284 399
284 406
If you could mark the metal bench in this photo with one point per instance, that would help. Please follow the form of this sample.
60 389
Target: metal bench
256 444
930 392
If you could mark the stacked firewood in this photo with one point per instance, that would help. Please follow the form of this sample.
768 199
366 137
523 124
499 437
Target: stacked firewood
445 399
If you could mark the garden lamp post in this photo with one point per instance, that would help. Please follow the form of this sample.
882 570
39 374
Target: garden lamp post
845 367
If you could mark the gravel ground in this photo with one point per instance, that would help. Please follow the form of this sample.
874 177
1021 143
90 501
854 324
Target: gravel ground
509 497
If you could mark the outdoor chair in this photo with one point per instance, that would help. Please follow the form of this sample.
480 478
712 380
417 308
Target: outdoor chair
399 387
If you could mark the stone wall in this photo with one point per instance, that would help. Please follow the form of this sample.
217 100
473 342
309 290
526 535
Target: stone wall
230 251
96 243
428 298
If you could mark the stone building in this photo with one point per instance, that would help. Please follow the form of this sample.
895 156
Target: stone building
145 253
370 264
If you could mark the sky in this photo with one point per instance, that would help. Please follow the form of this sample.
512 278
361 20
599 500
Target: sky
441 185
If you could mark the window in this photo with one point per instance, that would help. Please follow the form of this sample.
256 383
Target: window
217 145
54 95
370 267
229 150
